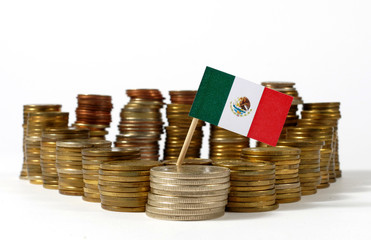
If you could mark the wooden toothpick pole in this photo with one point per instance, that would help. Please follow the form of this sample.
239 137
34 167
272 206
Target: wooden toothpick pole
187 141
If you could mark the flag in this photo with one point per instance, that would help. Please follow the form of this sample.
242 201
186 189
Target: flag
241 106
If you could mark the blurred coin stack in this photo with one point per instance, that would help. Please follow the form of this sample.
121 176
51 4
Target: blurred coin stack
124 185
325 114
179 122
49 153
289 89
141 122
190 161
94 113
287 162
188 192
26 110
225 144
252 185
309 167
317 133
69 164
92 158
36 123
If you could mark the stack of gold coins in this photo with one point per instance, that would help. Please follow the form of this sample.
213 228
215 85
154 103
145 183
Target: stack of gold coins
92 158
94 113
48 152
190 161
26 110
287 162
69 164
124 185
318 133
179 122
309 168
188 192
225 144
289 89
252 185
141 122
325 114
36 123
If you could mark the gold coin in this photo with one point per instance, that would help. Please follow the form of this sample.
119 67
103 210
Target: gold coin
123 189
252 183
252 193
138 165
123 194
123 184
123 209
257 188
288 200
271 151
123 173
252 199
124 179
252 209
251 204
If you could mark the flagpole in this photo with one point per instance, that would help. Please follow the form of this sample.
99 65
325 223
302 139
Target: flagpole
187 141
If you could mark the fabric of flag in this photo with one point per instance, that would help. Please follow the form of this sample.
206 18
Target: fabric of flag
241 106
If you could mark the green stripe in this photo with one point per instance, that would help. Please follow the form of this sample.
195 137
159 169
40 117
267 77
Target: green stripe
212 95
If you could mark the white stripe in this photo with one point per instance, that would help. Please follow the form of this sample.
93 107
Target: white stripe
241 88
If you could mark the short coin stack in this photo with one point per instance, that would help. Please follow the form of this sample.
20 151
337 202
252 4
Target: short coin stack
325 114
287 169
26 110
289 89
69 164
94 113
179 122
188 192
37 122
190 161
318 133
252 185
309 168
91 160
225 144
49 153
141 122
124 185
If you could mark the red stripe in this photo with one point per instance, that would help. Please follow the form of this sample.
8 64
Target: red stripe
270 116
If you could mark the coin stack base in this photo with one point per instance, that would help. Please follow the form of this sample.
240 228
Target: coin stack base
188 192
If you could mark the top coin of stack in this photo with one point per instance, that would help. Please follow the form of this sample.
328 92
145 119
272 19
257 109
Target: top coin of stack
252 185
287 162
124 185
225 144
289 89
141 122
325 114
26 110
91 160
188 193
48 152
37 122
94 112
309 167
179 122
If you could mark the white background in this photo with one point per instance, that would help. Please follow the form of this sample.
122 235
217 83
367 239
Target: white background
50 51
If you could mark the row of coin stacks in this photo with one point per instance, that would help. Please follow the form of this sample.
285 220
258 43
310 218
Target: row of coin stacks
38 122
224 144
93 112
179 121
141 122
325 114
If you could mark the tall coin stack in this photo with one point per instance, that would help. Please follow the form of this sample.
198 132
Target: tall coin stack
141 122
318 133
225 144
36 123
69 164
309 168
289 89
124 185
26 110
179 122
252 185
287 162
49 152
325 114
188 192
94 113
92 158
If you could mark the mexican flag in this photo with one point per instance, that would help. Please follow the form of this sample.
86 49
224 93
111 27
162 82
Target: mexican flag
241 106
